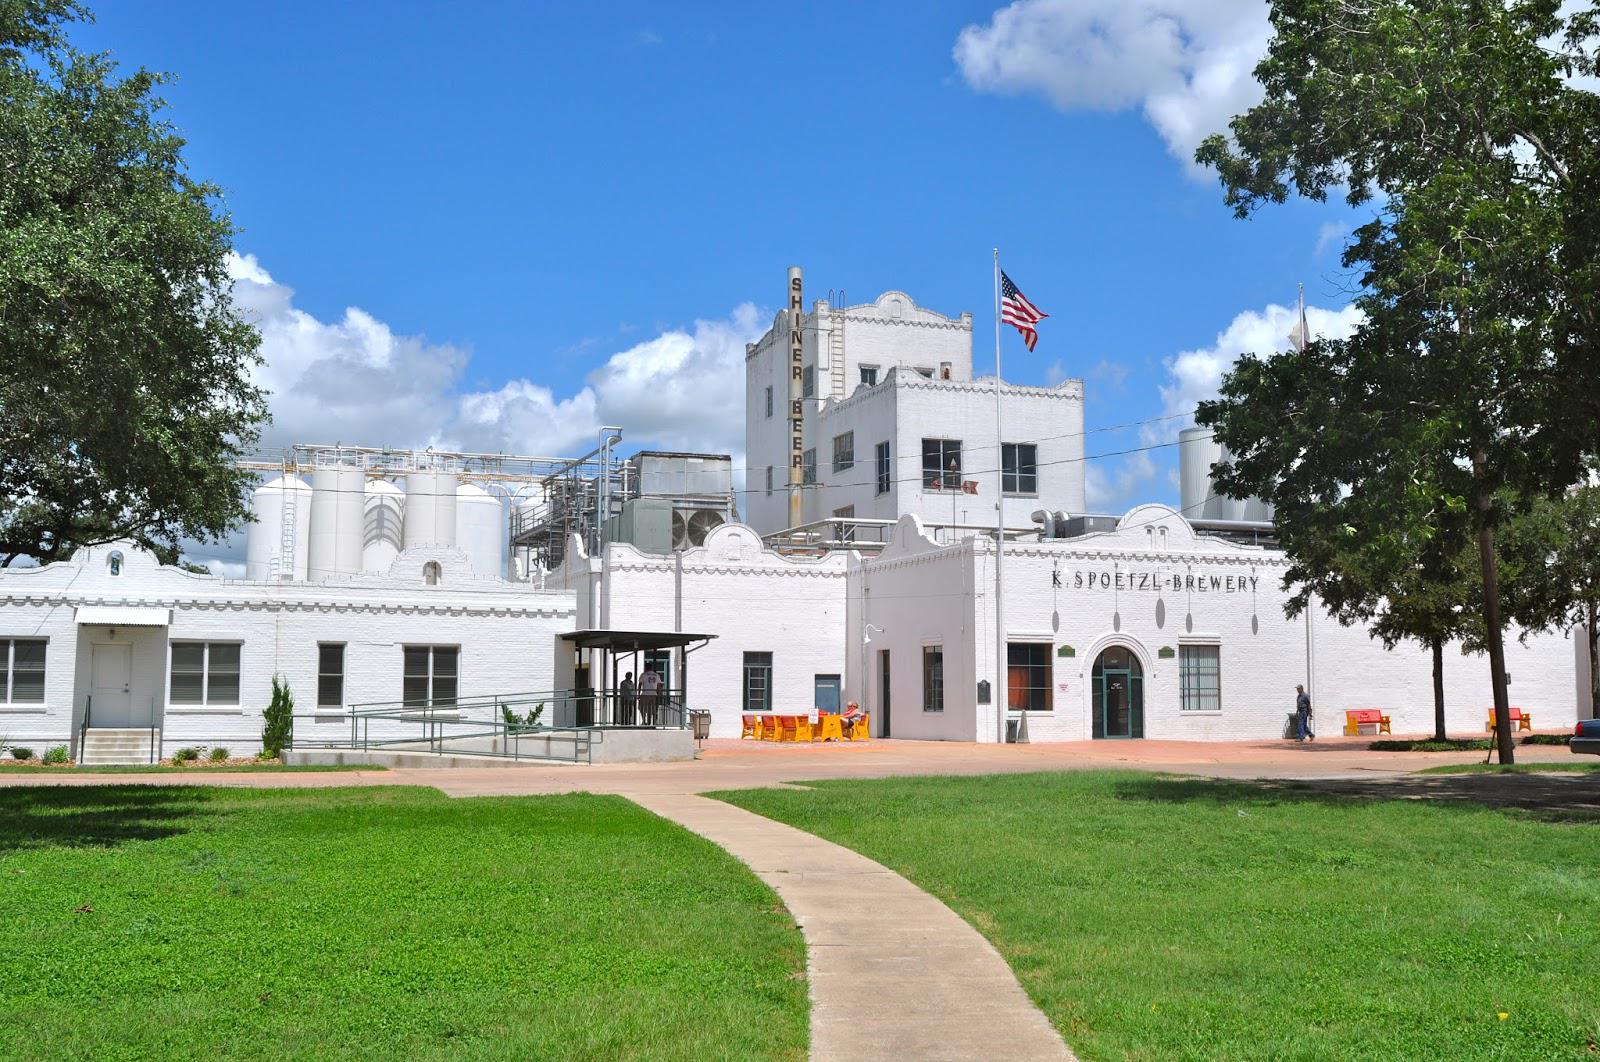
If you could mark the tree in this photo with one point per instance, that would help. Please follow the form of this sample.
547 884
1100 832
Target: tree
1457 116
1560 587
125 398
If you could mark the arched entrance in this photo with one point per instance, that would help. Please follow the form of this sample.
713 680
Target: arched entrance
1117 684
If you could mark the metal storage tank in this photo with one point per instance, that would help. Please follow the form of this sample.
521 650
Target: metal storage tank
383 530
430 509
481 529
338 498
1197 452
265 540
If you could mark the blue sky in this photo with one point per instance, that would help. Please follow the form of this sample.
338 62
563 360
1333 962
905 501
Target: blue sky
530 204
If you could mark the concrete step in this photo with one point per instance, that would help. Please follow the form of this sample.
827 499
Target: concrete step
108 745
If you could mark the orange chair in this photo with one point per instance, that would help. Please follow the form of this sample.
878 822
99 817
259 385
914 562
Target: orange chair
787 728
750 728
858 726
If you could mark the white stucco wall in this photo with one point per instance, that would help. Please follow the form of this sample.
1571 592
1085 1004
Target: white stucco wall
507 634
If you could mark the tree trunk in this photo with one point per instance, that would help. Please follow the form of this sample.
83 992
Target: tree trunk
1594 660
1437 646
1491 613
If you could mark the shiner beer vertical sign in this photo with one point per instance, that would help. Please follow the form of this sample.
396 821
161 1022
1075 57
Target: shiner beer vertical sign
797 421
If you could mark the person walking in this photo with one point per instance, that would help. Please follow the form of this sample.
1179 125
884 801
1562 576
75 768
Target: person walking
1302 713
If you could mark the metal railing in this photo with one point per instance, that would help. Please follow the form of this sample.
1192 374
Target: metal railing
83 727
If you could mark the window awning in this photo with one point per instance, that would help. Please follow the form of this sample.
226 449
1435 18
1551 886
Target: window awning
123 616
632 641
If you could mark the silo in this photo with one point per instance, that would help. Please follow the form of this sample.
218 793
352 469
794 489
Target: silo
430 509
264 552
481 529
1197 452
338 496
383 534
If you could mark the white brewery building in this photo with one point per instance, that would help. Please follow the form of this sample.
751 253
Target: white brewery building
411 599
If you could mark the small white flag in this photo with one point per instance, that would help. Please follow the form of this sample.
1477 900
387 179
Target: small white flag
1300 338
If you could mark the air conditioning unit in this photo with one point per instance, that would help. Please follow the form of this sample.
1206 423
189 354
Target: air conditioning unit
691 526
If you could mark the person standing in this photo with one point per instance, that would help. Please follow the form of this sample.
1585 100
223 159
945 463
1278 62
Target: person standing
626 714
649 686
1302 714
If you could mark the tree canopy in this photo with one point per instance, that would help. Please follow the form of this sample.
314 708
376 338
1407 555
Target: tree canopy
125 394
1468 385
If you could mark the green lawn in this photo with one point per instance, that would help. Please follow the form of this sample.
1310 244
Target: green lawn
1578 765
1155 917
153 922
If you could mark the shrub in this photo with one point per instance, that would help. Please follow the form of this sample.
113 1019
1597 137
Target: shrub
510 718
278 720
1430 745
56 755
218 754
20 753
1547 739
535 715
186 755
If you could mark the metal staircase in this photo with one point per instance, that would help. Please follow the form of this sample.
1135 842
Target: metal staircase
286 536
836 355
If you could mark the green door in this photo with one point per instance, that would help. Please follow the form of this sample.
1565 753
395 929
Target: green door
1117 691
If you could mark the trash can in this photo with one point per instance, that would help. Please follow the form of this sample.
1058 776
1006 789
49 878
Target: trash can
1291 729
700 724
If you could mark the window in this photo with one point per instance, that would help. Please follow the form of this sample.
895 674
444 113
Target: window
1019 468
114 562
926 373
808 467
869 375
1028 677
769 479
844 452
758 682
1200 678
431 573
808 381
330 675
884 474
205 673
431 675
941 464
22 677
769 401
933 678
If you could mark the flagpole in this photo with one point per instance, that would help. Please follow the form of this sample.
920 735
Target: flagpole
1000 693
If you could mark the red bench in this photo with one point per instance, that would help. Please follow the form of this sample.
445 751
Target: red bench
1356 718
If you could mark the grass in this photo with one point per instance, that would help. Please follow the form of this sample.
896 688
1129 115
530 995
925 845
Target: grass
1155 917
202 766
1576 767
385 922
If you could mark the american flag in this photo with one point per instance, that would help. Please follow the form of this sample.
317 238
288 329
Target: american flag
1017 311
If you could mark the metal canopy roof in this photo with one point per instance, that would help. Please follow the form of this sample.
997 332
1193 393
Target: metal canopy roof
122 616
632 641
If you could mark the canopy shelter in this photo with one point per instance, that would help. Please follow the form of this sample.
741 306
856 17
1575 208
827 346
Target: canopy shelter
610 686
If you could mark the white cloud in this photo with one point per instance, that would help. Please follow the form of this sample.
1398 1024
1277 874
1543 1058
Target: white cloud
1193 376
1186 64
1331 233
353 380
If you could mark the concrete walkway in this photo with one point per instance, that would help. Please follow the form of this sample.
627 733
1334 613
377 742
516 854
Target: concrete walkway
893 973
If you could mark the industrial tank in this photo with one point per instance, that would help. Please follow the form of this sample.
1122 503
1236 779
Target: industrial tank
1198 450
430 509
264 553
383 534
480 529
338 498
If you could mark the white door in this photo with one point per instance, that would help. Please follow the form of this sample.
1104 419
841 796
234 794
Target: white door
111 672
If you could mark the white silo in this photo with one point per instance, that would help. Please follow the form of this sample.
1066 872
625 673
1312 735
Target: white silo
481 529
383 534
430 509
269 553
338 497
1197 452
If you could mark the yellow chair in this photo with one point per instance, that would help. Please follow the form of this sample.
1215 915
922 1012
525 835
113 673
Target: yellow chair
860 727
829 728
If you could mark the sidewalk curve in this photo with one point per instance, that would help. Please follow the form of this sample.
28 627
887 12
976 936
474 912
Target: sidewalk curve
893 973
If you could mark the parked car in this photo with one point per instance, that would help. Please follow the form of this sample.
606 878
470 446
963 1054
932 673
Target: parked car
1586 737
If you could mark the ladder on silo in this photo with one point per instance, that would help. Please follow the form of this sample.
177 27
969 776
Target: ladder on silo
836 355
286 535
